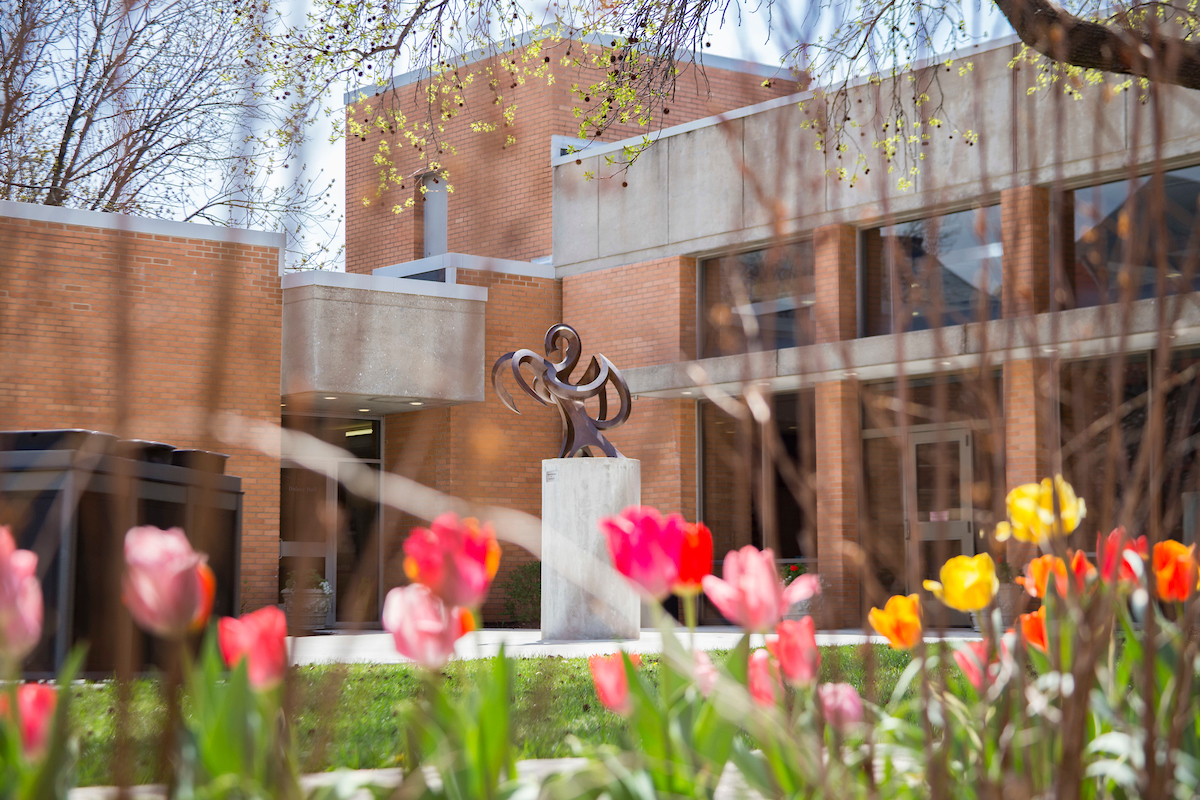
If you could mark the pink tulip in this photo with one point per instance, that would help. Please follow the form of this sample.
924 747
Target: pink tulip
795 646
751 594
973 662
35 710
611 682
260 639
762 678
421 625
646 547
165 587
20 600
840 704
705 672
456 559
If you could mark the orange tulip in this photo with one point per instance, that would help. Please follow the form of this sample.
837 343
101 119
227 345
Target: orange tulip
1038 573
1081 568
899 620
1174 570
1033 628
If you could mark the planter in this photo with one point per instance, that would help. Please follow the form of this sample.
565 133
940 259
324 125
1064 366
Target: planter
809 608
1010 598
306 609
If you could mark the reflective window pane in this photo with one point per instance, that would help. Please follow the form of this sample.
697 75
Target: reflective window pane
931 272
757 300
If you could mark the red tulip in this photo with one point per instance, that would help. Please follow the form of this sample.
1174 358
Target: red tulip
421 626
456 559
611 682
20 600
750 594
1116 553
259 638
165 588
695 559
795 646
840 704
646 548
35 708
762 678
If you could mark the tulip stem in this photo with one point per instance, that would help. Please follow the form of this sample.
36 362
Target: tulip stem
689 617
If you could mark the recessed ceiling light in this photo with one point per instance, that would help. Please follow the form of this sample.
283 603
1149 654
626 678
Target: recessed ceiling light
331 397
416 403
364 409
687 393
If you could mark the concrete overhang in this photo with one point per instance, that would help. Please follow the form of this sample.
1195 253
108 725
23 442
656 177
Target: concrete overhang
354 342
1067 335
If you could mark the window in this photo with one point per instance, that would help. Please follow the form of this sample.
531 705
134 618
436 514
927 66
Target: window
1117 229
931 272
435 211
757 300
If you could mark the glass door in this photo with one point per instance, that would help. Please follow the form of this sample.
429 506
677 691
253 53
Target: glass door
939 518
306 556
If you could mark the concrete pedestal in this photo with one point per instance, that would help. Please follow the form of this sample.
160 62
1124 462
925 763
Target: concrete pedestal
583 597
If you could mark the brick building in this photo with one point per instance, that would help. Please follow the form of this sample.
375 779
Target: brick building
822 362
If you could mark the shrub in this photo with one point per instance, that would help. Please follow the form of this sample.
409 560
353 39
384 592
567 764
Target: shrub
523 595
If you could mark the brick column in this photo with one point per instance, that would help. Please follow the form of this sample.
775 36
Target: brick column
839 440
1025 225
1025 233
836 274
839 451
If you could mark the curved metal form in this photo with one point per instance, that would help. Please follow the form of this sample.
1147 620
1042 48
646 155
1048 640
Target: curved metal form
550 385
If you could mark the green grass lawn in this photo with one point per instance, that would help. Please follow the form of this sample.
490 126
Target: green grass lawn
346 714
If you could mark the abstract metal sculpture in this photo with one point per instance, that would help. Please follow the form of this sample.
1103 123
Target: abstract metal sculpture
581 433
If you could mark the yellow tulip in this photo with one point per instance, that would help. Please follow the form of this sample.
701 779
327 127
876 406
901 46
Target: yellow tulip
899 620
968 582
1031 511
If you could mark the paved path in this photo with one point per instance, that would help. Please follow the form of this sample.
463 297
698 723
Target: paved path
377 648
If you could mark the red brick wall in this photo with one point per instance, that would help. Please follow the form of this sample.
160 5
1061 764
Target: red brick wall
482 451
198 312
638 315
501 204
839 453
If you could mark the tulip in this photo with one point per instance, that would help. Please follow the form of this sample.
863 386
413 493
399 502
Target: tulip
611 681
35 711
762 679
260 639
968 583
1038 573
646 548
421 626
1081 568
208 593
456 559
973 661
695 560
1119 556
1033 628
165 586
705 672
841 705
795 647
1031 513
1174 570
899 620
20 601
750 595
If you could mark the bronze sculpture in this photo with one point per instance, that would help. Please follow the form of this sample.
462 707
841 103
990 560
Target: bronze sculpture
581 433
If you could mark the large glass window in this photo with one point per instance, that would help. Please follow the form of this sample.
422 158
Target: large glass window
756 494
327 532
757 300
931 272
1120 229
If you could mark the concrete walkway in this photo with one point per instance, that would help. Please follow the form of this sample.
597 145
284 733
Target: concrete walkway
378 648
